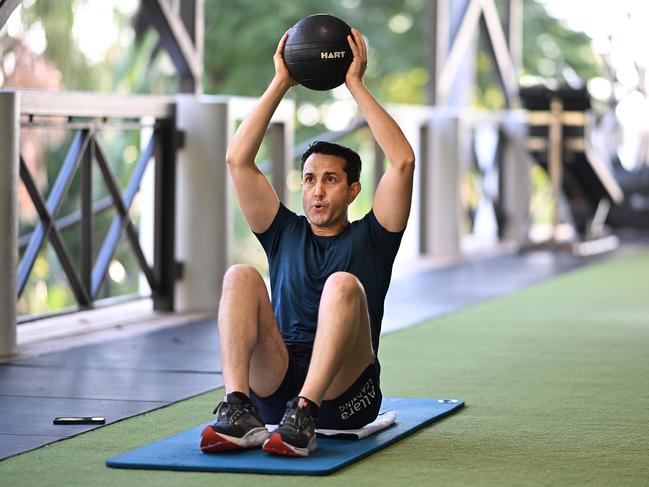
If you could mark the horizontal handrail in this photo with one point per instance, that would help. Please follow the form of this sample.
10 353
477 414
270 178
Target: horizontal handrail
99 105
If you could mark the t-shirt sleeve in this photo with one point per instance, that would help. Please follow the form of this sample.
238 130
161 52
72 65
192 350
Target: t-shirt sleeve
270 238
388 242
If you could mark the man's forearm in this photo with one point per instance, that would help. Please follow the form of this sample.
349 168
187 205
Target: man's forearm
245 144
385 130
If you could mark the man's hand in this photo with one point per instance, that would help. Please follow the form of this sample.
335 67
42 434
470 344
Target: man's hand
359 63
281 71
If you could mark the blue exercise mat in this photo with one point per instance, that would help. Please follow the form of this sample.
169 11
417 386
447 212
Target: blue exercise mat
182 451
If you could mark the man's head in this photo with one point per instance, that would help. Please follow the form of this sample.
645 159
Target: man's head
352 165
330 182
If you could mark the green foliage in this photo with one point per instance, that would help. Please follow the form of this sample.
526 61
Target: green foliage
57 19
549 47
137 68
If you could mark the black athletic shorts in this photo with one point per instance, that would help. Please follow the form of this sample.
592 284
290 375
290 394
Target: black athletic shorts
354 408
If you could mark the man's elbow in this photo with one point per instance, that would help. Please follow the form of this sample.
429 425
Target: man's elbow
231 158
406 163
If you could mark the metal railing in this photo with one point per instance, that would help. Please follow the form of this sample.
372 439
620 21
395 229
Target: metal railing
87 115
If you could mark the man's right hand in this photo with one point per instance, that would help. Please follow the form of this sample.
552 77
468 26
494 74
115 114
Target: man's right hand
357 68
281 71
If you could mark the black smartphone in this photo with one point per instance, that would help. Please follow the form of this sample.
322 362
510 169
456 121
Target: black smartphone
80 420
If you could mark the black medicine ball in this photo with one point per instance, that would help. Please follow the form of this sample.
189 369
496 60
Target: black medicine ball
317 53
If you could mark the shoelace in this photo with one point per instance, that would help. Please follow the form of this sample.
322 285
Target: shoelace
231 414
296 418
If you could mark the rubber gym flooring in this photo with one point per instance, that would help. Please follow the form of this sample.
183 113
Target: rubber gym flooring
554 374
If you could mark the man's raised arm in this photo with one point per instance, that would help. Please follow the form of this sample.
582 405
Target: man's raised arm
256 196
394 192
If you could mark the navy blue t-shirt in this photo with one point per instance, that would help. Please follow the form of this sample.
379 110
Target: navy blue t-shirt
300 262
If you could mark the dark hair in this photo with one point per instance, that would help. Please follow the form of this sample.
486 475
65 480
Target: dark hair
352 159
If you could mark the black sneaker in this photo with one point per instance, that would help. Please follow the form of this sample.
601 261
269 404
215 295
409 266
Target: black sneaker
238 426
295 436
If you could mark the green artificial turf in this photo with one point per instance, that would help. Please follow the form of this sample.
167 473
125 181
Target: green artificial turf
555 378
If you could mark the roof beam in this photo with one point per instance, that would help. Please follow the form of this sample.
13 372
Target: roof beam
176 39
500 50
459 48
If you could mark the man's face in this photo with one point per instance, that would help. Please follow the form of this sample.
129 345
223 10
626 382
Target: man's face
326 194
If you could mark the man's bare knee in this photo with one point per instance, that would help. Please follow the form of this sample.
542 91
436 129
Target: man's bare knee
244 295
242 278
343 284
241 273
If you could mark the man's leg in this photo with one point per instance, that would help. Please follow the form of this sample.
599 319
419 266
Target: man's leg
253 354
343 345
342 350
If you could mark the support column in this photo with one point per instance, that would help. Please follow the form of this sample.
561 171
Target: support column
201 201
9 160
515 181
281 148
440 189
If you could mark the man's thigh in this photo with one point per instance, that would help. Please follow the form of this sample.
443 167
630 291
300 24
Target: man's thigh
269 359
246 318
361 356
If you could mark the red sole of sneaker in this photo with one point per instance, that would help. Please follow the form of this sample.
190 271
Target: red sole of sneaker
276 446
212 442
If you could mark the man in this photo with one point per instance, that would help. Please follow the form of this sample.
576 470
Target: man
309 358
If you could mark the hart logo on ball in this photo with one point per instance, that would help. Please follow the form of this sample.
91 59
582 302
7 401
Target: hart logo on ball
332 55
